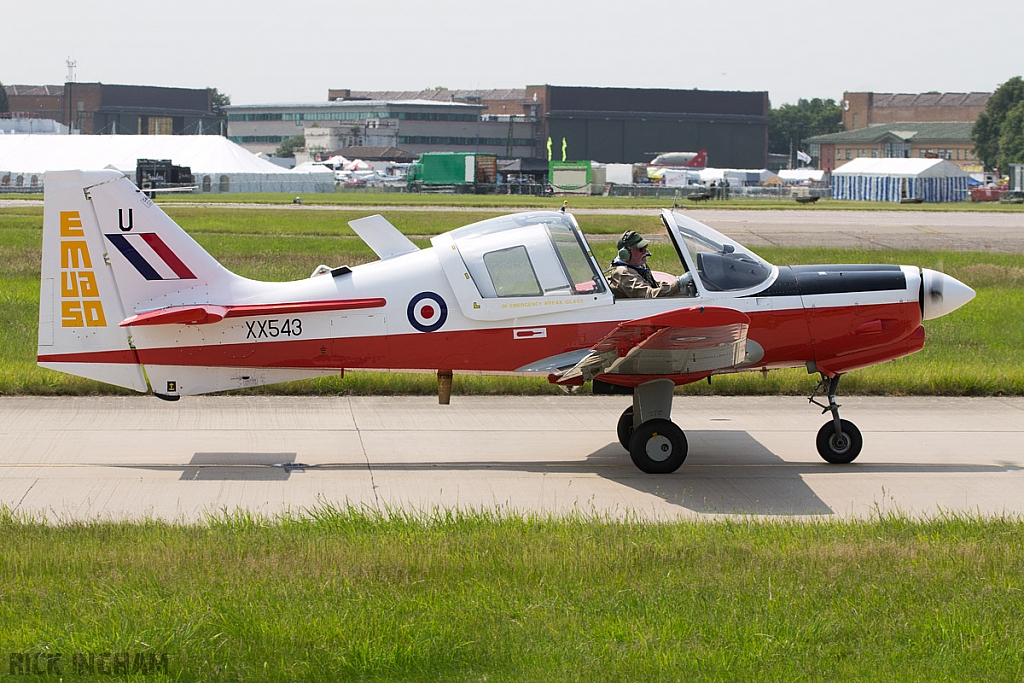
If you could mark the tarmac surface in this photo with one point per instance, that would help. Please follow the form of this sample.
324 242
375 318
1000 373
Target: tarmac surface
81 459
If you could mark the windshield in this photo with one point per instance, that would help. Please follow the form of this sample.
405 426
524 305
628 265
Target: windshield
723 265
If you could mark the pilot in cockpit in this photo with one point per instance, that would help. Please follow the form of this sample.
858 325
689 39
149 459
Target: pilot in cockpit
630 277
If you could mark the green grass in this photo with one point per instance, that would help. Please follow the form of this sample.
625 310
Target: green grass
376 199
345 595
974 351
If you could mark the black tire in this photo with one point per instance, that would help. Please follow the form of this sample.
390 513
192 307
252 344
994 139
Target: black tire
842 448
658 447
625 427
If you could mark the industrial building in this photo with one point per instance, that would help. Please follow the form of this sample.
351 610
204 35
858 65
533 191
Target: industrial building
608 125
414 126
102 109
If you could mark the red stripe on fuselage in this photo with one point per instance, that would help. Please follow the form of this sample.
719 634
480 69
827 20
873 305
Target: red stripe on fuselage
785 335
123 357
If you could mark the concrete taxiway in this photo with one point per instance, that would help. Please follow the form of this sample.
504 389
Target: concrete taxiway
79 459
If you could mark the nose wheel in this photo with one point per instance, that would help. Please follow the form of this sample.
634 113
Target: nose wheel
839 447
838 441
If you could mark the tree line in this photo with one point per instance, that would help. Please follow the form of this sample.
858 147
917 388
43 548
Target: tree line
998 134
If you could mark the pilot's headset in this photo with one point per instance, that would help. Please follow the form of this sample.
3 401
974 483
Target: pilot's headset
626 238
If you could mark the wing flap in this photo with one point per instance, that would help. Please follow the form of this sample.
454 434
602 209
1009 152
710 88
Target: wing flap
683 341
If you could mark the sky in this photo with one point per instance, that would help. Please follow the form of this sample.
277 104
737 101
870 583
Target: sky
258 51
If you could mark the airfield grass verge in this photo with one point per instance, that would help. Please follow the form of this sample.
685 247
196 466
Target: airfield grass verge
337 594
972 352
507 202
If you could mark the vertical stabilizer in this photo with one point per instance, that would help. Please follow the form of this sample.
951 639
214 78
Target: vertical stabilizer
79 305
155 263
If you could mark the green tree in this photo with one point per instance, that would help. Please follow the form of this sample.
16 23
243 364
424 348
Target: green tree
998 134
5 106
288 147
218 101
1011 138
790 124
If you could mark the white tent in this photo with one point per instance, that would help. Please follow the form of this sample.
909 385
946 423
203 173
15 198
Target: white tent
218 164
894 180
801 175
736 177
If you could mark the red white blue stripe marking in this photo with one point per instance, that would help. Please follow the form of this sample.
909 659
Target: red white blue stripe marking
151 257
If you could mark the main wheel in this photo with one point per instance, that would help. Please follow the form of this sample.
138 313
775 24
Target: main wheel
658 447
840 448
625 427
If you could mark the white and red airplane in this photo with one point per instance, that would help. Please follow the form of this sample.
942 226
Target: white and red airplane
128 298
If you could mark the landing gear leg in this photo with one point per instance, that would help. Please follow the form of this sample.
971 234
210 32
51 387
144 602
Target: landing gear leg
656 445
839 441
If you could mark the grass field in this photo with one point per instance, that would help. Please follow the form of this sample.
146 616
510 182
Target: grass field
971 352
505 202
340 595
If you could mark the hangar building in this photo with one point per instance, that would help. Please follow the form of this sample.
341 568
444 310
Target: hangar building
631 125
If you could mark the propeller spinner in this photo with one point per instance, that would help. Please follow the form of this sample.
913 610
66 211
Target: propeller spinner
941 294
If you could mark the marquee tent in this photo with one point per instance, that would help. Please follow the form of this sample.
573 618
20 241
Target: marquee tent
894 180
801 175
219 165
736 177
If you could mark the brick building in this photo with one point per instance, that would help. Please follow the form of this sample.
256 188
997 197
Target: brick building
863 109
949 140
37 101
98 108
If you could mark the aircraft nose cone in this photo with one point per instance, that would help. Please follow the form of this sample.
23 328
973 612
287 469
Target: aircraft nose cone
942 294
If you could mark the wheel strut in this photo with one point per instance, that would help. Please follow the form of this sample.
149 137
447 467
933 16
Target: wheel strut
827 386
838 441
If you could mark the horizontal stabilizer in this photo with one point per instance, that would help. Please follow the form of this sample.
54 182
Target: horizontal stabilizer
384 238
206 314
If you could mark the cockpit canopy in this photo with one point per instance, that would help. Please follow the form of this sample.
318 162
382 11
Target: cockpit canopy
539 262
528 254
722 265
521 265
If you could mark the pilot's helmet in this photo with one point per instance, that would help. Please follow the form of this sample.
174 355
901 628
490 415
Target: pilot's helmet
632 239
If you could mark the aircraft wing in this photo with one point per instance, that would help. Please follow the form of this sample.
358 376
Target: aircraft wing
683 341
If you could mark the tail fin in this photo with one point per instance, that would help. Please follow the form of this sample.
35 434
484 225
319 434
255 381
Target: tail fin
108 253
698 161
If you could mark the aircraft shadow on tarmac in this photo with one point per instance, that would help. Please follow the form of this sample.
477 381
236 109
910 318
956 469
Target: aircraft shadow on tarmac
239 467
726 472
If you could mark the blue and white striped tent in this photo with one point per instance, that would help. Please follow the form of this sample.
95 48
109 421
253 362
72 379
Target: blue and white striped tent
893 180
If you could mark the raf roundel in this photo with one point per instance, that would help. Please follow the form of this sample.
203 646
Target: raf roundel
427 312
